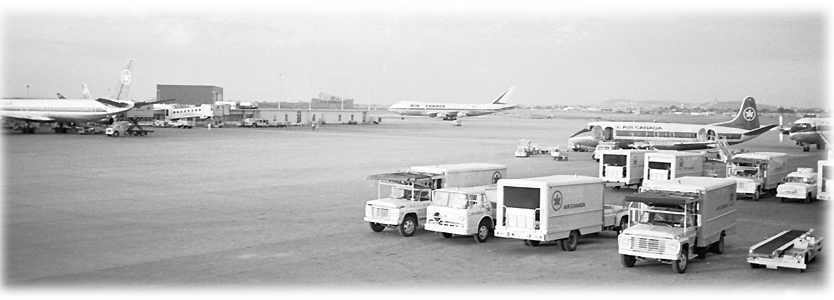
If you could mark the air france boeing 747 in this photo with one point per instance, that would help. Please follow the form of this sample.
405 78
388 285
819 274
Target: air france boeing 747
72 111
452 111
678 136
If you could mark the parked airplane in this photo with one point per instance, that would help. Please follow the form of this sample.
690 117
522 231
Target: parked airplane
811 131
678 136
452 111
72 111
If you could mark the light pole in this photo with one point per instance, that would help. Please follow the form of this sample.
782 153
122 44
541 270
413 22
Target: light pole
279 90
343 91
310 106
27 91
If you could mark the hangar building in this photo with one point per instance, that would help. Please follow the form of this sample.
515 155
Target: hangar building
189 94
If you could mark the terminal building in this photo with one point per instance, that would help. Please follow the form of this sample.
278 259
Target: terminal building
189 94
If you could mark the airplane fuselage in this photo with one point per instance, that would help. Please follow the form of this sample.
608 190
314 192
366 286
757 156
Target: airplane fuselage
61 110
810 131
446 109
672 136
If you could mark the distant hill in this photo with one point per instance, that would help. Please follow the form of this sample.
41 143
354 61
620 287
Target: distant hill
650 104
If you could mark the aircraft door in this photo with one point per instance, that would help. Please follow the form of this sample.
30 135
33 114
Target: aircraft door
711 135
702 135
596 131
608 133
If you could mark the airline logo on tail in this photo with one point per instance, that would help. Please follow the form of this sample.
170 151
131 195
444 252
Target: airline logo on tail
747 117
123 86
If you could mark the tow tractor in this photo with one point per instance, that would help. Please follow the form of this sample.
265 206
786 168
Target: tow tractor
787 249
127 128
558 154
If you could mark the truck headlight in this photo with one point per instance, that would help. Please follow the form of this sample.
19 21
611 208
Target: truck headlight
624 241
395 214
672 246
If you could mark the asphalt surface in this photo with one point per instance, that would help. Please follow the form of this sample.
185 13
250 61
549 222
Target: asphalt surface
282 208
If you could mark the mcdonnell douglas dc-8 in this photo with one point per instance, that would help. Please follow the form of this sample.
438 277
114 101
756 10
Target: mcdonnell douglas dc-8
452 111
678 136
72 111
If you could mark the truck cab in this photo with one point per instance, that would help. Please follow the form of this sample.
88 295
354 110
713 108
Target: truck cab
603 146
117 128
757 172
672 222
463 211
801 185
409 195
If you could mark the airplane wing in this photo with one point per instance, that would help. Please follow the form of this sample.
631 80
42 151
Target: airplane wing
760 130
140 104
25 117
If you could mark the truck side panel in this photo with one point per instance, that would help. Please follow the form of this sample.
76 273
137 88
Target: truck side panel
719 214
569 207
777 169
825 179
473 178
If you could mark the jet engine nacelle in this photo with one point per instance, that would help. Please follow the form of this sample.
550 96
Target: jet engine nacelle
462 114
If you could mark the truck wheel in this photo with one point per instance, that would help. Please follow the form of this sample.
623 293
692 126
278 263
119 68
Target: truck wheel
756 266
808 198
569 244
623 225
531 243
757 195
376 227
408 227
115 133
627 260
483 231
446 235
718 247
683 259
783 199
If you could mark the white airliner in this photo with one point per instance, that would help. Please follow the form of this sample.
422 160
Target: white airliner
811 130
171 113
452 111
678 136
72 111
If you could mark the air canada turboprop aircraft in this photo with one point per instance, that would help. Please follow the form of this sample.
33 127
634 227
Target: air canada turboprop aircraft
678 136
452 111
73 111
811 130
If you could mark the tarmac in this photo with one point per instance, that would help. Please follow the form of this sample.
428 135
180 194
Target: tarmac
282 208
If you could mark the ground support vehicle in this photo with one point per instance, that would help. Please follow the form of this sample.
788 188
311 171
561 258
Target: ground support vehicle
558 208
801 185
559 154
525 149
410 192
787 249
622 167
183 123
603 146
463 211
825 179
126 128
757 172
677 220
666 165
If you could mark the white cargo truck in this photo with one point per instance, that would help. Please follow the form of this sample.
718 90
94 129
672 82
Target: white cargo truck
622 167
555 208
801 185
757 172
410 192
463 211
825 179
677 220
667 165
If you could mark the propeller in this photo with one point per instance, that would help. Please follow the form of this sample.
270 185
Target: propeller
781 138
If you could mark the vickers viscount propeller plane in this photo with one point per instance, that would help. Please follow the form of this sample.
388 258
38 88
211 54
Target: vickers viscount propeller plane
678 136
452 111
811 131
72 111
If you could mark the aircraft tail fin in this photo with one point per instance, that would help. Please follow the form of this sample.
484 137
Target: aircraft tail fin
747 117
504 97
123 86
85 92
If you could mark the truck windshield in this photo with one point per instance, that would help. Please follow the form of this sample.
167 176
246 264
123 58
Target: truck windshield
745 171
660 165
400 192
797 179
618 160
454 200
666 216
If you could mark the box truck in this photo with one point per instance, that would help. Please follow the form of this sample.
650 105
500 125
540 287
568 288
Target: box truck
622 167
800 185
677 220
825 179
757 172
667 165
557 208
463 211
409 195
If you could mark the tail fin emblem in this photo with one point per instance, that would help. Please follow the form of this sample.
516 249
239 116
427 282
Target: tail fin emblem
749 114
125 77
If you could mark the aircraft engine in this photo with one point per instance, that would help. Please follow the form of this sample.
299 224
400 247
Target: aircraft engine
596 131
432 115
462 114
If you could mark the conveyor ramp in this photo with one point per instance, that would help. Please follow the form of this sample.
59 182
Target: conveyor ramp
768 248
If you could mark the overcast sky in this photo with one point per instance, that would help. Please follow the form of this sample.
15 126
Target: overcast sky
460 55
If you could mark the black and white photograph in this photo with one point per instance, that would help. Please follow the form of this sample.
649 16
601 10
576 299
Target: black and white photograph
364 149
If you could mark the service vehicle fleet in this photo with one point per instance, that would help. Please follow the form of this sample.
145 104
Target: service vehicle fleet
801 185
555 208
463 211
667 165
674 221
622 167
757 172
406 205
825 179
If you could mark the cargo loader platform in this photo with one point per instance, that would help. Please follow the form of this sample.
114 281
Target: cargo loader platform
788 249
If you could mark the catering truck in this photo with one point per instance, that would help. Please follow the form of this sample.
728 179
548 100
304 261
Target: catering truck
667 165
622 167
757 172
674 221
463 211
409 195
801 185
825 179
554 208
